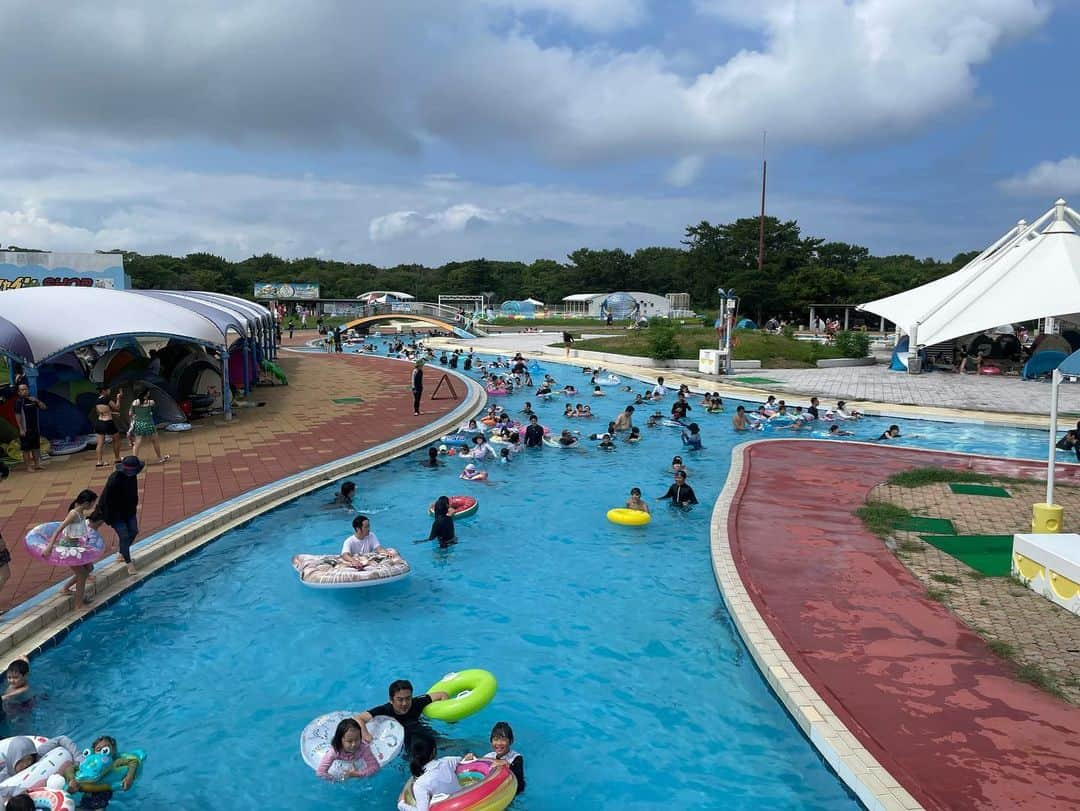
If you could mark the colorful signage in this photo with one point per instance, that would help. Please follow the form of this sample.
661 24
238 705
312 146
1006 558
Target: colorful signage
285 290
30 269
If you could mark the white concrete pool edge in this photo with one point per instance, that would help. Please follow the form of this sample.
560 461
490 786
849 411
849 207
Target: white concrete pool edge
875 787
49 614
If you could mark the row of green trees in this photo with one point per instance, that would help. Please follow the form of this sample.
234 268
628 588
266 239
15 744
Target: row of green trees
798 271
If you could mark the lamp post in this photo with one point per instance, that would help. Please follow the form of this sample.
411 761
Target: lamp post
729 304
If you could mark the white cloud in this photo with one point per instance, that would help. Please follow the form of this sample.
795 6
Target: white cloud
481 74
72 203
596 15
1049 179
685 171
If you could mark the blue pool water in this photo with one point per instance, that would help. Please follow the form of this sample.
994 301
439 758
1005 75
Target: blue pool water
619 668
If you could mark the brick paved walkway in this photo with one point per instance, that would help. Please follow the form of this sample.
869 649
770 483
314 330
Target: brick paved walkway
298 428
997 608
925 695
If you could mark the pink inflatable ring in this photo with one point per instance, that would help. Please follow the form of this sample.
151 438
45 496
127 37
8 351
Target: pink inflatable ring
67 552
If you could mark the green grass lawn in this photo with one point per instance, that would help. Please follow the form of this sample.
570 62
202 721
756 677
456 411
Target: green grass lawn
774 351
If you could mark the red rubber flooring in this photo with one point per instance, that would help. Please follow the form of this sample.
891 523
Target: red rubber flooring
920 691
299 427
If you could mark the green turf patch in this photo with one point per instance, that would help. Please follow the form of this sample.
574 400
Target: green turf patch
919 523
347 400
755 381
989 554
979 490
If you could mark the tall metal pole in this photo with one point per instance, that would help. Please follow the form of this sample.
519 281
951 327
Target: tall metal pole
761 219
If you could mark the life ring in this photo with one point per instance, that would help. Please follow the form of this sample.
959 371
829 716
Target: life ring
87 549
103 767
671 423
486 785
496 393
387 738
628 517
35 776
608 380
460 439
522 428
178 426
489 421
52 799
470 691
474 475
460 507
328 572
554 443
990 370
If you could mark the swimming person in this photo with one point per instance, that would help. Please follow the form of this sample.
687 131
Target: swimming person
402 707
893 432
362 542
431 776
680 493
534 434
692 440
739 421
442 528
344 496
348 747
834 430
432 458
636 502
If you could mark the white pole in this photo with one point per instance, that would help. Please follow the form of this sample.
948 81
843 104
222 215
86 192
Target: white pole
1055 381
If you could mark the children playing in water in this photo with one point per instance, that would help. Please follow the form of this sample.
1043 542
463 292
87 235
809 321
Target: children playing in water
98 795
72 530
606 443
502 741
348 749
18 683
636 502
472 473
692 438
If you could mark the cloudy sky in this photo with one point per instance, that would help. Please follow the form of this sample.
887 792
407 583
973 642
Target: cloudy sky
429 130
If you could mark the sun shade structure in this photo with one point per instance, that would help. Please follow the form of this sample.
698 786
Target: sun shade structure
41 323
1031 272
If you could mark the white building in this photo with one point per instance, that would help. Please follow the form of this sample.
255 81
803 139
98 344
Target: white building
587 305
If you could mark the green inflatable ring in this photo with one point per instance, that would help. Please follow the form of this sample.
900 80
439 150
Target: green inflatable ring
470 691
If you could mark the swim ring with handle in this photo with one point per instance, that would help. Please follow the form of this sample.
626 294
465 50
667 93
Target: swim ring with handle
461 506
486 785
470 691
387 738
87 549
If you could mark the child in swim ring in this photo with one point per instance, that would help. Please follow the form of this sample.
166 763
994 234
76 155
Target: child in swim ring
71 531
635 435
636 502
101 792
473 474
347 747
502 739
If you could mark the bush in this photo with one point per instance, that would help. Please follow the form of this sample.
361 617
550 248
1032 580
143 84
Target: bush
788 331
853 344
662 342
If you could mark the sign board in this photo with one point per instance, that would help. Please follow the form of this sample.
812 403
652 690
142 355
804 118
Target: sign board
31 269
286 290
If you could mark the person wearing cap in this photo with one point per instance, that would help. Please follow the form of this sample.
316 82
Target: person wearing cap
118 504
417 385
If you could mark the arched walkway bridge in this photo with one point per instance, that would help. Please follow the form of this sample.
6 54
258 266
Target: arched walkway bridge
436 315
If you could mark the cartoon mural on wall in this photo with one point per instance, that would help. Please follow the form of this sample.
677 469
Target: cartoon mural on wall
33 269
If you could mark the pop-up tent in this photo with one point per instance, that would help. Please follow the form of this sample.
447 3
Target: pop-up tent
1031 272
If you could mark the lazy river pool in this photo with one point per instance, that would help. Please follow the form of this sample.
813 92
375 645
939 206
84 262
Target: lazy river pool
619 668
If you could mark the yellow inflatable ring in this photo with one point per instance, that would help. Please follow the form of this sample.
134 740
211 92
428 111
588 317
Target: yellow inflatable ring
628 518
470 691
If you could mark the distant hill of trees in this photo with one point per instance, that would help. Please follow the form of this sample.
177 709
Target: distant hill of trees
798 271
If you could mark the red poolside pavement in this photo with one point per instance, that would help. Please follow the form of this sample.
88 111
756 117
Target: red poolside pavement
913 684
299 427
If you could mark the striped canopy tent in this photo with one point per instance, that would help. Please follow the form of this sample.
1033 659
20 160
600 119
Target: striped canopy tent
39 324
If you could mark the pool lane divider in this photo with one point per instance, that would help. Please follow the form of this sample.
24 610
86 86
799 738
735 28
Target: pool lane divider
853 763
47 617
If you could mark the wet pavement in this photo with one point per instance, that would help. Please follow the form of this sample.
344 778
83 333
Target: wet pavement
921 692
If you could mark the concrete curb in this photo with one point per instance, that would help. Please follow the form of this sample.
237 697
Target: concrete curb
47 619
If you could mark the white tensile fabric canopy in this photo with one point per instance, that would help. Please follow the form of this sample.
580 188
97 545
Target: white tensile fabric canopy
39 323
1032 272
